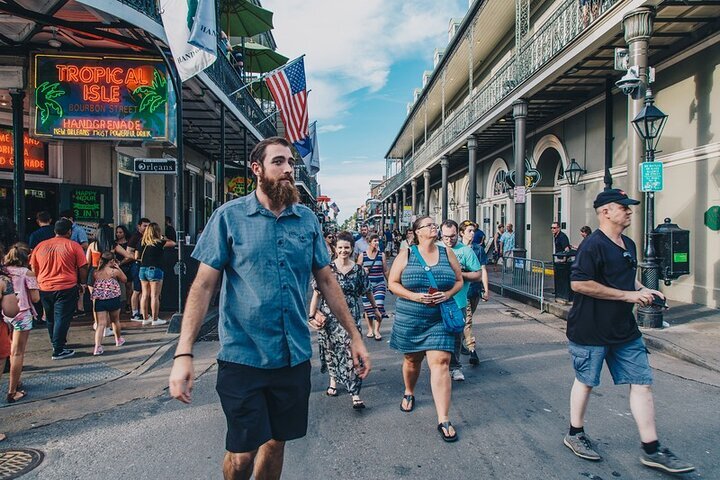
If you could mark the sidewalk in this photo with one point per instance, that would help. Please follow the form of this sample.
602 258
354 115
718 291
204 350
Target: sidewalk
693 334
44 378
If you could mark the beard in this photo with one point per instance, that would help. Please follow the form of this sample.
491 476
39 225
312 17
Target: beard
281 195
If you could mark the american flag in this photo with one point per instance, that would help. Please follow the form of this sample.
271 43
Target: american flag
289 92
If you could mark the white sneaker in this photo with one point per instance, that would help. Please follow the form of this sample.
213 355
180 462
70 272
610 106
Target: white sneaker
108 332
146 322
158 321
457 375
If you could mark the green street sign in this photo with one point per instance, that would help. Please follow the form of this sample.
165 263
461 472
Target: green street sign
651 177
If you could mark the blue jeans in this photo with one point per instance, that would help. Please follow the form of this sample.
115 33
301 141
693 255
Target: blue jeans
135 276
59 307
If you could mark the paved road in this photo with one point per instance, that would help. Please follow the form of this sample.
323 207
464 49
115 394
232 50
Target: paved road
511 415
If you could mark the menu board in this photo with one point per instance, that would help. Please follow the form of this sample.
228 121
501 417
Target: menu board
86 204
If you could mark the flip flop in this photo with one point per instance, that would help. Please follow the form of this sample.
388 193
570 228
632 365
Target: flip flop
378 337
358 404
331 392
411 403
370 335
442 427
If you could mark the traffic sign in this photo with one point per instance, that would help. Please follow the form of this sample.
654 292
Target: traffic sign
155 165
651 177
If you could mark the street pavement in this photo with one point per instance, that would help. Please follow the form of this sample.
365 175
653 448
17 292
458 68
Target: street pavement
511 415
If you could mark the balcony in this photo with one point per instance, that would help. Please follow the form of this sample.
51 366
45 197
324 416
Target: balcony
222 74
558 31
304 180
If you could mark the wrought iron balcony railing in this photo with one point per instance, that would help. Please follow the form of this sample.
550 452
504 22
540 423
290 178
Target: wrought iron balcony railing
223 74
567 23
303 177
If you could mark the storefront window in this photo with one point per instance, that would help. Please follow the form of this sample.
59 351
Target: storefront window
129 193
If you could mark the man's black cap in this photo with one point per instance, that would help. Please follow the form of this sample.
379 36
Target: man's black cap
62 226
613 195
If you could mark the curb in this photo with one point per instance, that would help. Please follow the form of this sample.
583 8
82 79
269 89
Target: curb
655 343
669 348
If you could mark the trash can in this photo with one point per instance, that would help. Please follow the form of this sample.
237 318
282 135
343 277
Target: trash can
561 264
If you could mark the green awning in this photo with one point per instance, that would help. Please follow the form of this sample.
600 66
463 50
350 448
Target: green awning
258 58
240 18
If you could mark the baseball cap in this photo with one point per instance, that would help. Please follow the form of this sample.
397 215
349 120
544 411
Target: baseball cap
613 195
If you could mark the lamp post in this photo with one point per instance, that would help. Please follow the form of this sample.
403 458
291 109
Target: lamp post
453 205
649 124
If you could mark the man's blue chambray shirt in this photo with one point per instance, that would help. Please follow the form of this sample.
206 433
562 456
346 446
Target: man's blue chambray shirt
267 262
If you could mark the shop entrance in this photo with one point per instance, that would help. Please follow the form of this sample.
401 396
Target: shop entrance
546 204
38 197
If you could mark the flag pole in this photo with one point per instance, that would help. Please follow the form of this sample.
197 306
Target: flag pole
265 75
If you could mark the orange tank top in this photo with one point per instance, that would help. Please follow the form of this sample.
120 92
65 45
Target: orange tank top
95 258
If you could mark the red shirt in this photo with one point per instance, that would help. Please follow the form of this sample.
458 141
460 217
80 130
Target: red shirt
56 263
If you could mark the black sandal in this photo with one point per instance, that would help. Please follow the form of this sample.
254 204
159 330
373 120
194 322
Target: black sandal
15 396
446 426
358 404
411 403
331 392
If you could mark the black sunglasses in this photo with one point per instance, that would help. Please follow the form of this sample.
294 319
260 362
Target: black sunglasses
630 259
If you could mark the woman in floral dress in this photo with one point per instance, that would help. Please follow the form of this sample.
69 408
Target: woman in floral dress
333 340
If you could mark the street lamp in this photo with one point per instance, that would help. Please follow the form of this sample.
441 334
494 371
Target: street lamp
453 204
649 124
574 172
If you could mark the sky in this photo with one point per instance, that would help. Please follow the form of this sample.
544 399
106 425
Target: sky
363 61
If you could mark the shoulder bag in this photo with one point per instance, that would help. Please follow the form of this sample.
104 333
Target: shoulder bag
452 316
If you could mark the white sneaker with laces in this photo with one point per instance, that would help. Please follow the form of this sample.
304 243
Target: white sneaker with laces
158 321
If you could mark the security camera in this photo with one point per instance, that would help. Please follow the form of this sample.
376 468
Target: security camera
630 82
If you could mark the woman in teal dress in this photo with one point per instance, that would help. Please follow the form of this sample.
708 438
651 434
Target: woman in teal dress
418 330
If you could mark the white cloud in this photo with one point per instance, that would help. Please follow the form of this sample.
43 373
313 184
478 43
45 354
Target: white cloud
336 186
352 45
333 127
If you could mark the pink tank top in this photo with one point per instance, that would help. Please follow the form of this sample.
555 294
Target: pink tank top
22 283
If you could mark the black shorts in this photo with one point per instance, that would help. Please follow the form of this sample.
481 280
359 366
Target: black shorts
263 404
109 305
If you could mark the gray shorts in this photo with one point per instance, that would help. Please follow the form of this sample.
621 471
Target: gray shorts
627 362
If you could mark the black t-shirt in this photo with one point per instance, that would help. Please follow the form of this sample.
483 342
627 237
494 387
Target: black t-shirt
593 321
170 232
561 242
43 233
152 255
134 241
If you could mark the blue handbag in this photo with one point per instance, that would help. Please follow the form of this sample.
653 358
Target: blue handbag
452 316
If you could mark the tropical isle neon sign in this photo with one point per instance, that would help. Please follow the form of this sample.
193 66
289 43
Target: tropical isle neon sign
107 98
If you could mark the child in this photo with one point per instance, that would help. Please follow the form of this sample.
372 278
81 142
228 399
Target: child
106 298
17 263
8 306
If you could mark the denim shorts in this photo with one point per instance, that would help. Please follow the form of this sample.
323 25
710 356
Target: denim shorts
151 274
627 362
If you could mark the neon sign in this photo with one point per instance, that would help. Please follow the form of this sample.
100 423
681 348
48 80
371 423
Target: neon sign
35 153
100 97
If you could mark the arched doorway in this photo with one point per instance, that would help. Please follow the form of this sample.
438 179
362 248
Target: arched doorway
547 199
497 207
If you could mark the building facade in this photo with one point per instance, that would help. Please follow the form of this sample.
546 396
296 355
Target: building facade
525 88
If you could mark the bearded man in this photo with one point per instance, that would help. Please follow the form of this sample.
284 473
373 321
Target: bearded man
264 245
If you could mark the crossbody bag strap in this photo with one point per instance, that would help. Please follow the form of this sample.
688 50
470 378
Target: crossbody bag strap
425 267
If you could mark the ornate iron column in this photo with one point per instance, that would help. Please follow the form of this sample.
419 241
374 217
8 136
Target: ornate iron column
520 110
404 200
444 165
426 189
413 196
638 28
472 176
221 160
398 210
17 97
